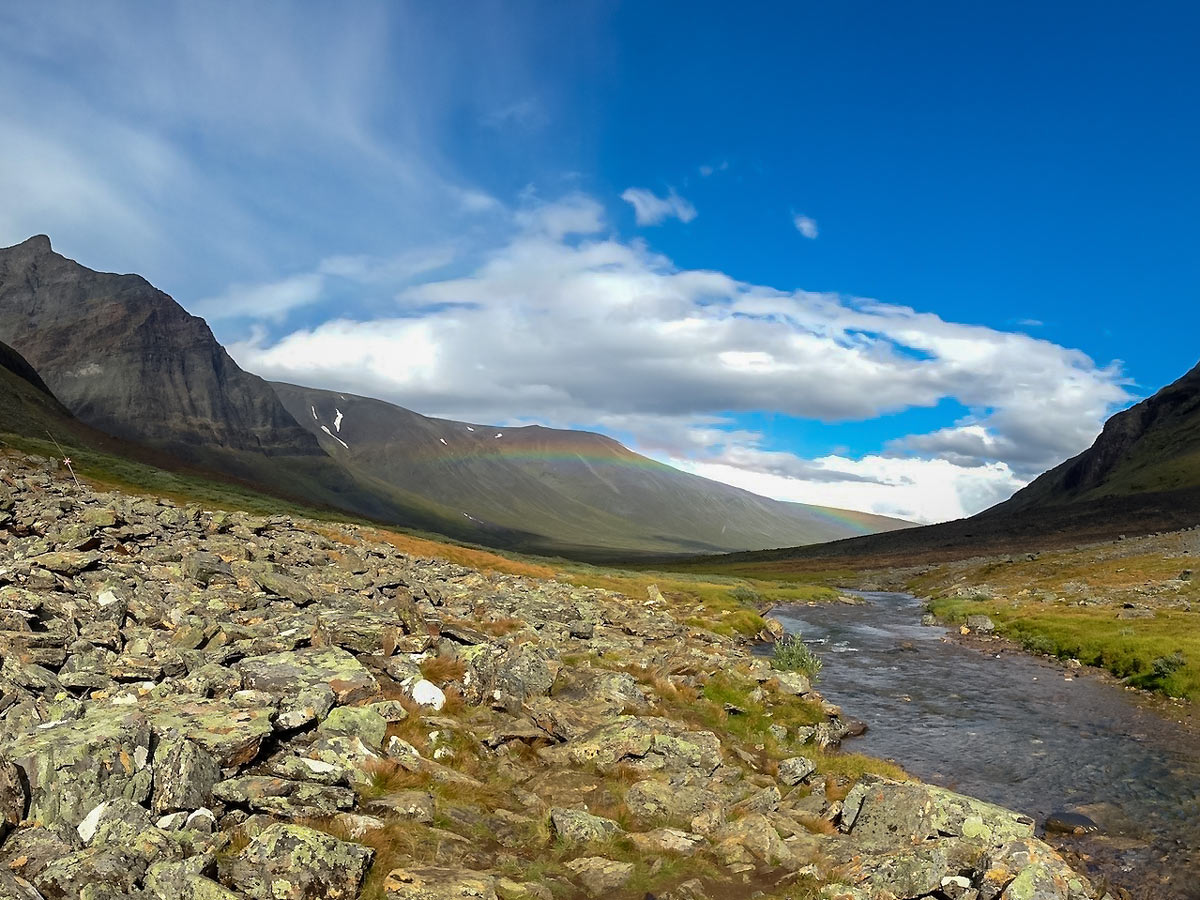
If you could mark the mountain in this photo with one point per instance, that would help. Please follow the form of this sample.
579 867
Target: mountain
567 490
1150 448
129 363
1142 475
127 360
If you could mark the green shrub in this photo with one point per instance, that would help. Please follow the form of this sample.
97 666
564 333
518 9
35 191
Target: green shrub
745 594
1166 666
1039 643
793 655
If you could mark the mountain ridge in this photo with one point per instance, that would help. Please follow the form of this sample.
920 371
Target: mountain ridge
123 358
578 483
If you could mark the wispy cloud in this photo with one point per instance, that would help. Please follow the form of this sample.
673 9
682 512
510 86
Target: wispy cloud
806 226
650 209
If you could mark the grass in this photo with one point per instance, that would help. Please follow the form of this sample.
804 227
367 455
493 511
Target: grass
1158 654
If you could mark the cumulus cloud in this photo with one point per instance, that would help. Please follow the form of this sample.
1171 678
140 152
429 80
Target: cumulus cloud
567 324
919 490
806 226
650 209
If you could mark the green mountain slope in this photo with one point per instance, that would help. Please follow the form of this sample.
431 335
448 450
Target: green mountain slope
567 489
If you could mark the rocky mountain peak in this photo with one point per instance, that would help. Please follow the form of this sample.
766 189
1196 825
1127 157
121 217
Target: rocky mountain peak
125 358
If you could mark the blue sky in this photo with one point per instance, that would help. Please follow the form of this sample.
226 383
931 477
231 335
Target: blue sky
875 255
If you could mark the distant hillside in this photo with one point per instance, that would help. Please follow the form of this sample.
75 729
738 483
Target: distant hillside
26 404
565 488
1142 475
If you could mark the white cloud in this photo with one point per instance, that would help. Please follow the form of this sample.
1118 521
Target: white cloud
650 209
920 490
567 326
806 226
707 171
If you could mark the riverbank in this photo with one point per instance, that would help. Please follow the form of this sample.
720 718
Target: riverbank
977 714
1131 607
411 728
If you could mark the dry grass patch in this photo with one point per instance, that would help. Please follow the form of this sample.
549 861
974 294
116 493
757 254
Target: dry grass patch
442 669
465 556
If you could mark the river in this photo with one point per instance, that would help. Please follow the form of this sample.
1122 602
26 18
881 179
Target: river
1018 731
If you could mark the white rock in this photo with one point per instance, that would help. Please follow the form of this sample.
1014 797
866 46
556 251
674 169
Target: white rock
87 828
426 693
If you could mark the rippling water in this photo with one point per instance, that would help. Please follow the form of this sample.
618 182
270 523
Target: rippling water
1017 731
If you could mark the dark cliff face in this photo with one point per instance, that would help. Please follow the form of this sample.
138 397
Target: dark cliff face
1153 446
127 359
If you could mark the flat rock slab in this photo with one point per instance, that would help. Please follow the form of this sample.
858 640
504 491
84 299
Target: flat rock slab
231 733
290 673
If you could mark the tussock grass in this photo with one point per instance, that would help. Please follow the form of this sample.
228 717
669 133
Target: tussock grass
442 670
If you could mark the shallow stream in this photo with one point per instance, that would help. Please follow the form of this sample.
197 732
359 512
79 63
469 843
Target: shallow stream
1017 731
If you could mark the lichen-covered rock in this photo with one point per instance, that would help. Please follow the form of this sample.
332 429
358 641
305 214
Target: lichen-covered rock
108 866
287 674
117 821
13 797
795 770
758 836
291 862
184 775
647 742
598 875
414 806
877 810
576 826
654 801
900 872
357 721
436 883
667 840
72 765
291 799
231 732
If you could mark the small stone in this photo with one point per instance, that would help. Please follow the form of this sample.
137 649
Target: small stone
795 770
426 693
436 883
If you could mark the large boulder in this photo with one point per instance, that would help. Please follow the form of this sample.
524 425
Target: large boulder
231 732
880 813
289 673
291 862
70 766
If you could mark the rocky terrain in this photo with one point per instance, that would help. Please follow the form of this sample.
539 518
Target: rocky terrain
207 705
